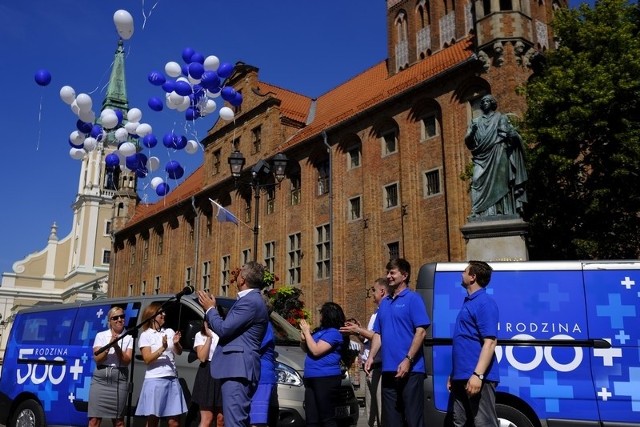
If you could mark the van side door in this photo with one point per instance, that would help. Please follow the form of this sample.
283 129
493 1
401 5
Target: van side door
613 306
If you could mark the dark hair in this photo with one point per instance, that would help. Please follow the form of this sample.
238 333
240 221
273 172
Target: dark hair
402 265
253 273
332 316
482 271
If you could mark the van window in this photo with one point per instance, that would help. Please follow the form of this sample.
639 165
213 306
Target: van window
44 327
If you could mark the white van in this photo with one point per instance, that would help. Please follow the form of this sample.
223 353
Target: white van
48 362
568 341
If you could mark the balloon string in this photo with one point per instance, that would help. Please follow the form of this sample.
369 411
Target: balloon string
39 124
144 15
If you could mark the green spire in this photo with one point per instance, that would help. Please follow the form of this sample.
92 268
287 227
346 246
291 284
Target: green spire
117 90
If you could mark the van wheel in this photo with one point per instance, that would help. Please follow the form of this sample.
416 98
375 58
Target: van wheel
28 414
511 417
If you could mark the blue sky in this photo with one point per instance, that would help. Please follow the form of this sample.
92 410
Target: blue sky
306 46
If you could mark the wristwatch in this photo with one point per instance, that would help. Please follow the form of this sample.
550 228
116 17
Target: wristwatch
481 376
409 358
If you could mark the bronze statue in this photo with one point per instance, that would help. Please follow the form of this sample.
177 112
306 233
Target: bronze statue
499 174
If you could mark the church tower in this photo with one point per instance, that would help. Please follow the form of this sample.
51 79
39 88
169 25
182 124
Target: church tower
105 195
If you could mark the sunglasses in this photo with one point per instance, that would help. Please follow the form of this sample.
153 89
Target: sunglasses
119 317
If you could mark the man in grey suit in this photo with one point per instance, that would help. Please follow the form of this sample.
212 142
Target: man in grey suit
236 360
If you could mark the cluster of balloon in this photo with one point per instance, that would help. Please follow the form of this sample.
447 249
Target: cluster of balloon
193 86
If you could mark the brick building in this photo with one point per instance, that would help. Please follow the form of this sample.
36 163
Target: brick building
374 166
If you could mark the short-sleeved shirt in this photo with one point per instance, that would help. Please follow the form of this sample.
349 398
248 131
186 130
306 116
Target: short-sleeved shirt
329 363
201 338
163 366
396 322
103 338
477 320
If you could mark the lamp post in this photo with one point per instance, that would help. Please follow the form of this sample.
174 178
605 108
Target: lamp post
260 170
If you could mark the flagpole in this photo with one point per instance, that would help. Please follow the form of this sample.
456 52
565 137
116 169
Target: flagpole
219 206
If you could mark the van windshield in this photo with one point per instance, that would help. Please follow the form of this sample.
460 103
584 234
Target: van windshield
284 332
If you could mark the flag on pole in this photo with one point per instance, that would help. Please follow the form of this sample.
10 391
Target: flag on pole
223 214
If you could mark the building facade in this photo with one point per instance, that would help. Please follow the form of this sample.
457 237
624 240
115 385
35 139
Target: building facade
374 169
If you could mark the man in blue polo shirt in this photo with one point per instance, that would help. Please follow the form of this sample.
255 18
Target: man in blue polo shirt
474 374
400 328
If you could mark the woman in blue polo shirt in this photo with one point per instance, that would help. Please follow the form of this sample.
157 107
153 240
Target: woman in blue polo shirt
322 374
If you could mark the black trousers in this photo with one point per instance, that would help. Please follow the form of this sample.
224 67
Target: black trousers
319 404
403 400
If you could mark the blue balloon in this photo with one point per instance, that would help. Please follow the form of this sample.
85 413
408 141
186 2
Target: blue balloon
196 70
112 160
156 78
119 115
225 70
97 132
170 140
155 103
84 127
172 166
43 77
228 93
150 140
237 100
76 145
169 86
183 88
162 189
210 80
142 172
197 57
134 161
187 53
177 173
181 142
184 68
190 114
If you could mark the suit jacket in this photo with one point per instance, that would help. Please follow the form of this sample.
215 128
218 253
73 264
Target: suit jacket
241 332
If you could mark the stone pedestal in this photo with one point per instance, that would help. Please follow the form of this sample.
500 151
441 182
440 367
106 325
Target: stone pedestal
496 238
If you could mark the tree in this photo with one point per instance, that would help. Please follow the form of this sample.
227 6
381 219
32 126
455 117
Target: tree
582 127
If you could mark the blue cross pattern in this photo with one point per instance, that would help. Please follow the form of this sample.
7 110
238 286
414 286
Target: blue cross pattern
630 388
552 391
616 311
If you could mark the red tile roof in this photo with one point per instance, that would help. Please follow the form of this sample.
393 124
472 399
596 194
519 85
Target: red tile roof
293 105
365 90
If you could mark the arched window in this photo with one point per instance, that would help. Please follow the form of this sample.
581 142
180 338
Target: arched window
401 45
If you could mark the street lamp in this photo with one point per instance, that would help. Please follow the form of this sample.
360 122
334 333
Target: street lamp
260 170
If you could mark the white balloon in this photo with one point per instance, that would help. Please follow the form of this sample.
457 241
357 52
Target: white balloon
192 146
90 144
74 107
182 79
109 121
124 23
156 181
77 153
84 102
176 99
209 107
121 134
134 115
87 116
211 63
184 105
213 95
127 149
131 127
152 163
77 138
226 113
172 69
143 129
67 94
107 112
193 81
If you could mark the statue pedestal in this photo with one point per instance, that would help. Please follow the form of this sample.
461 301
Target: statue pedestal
496 238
